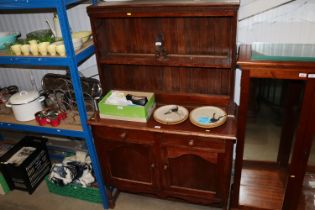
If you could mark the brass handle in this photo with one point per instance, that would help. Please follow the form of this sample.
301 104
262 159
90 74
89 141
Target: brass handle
123 135
191 142
165 167
152 165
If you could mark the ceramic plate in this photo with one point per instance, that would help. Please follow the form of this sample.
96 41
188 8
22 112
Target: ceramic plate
208 116
170 114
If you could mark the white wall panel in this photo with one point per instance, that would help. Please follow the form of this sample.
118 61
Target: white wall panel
290 23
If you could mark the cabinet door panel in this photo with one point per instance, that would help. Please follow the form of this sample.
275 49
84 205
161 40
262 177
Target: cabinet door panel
202 41
127 165
129 161
201 175
197 174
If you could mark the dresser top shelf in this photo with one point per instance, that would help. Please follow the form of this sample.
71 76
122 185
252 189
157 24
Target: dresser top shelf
176 3
226 131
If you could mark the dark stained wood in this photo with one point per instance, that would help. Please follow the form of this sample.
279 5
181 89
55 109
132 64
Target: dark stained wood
272 69
261 188
226 131
302 147
200 50
189 167
241 127
167 80
193 67
259 194
131 149
203 181
171 8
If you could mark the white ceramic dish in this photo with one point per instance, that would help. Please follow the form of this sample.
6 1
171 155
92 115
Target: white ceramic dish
77 43
84 35
208 116
170 114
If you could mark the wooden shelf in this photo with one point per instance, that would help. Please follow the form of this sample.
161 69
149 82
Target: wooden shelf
226 131
6 58
63 125
6 52
185 60
262 187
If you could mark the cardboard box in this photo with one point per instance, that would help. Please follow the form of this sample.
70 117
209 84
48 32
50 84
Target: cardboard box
130 113
26 164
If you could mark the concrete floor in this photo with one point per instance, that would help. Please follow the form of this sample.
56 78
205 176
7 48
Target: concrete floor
41 199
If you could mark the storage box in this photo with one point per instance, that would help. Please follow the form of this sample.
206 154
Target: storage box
91 194
4 188
130 113
26 164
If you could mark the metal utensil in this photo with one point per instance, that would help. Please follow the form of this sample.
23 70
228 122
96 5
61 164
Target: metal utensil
174 109
51 28
213 119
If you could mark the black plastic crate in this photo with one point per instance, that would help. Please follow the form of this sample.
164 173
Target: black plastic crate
29 173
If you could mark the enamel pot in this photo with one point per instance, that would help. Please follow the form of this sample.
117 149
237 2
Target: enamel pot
25 104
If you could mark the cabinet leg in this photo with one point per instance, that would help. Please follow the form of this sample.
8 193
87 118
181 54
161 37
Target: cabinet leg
112 193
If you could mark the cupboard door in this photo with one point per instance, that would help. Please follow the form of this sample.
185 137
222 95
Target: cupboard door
196 41
126 164
197 174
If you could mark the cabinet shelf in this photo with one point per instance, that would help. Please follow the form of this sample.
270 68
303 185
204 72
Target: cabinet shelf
226 131
86 51
262 186
65 129
185 60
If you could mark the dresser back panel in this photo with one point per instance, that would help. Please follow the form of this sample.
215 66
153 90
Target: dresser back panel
166 79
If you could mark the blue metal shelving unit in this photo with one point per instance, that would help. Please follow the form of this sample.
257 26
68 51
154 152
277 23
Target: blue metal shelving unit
71 61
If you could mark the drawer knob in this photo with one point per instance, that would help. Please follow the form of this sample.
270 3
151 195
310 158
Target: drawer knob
123 135
191 142
165 167
152 165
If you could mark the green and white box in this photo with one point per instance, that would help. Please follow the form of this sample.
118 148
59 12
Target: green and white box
134 113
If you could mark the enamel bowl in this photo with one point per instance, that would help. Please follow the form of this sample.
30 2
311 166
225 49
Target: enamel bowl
84 35
7 38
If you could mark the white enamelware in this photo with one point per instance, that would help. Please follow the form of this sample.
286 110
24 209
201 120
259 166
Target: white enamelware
25 104
77 44
83 35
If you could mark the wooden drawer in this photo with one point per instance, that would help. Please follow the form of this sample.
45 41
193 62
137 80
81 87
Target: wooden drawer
121 134
202 143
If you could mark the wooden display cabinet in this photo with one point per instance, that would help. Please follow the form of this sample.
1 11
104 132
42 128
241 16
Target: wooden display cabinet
266 184
184 52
